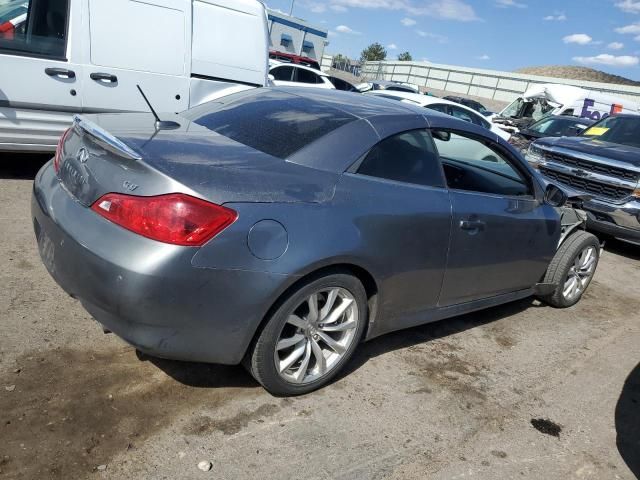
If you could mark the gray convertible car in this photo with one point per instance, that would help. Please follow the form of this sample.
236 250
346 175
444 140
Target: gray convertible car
279 228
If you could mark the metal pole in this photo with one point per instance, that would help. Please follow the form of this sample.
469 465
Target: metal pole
291 11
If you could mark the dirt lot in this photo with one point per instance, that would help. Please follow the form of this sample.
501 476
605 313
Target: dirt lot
519 391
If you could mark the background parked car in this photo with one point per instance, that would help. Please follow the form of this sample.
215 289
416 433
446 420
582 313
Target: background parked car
467 102
444 106
387 85
272 237
552 126
542 100
343 85
291 58
603 163
289 74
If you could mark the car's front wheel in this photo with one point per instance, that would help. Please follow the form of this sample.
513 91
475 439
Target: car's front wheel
310 336
572 269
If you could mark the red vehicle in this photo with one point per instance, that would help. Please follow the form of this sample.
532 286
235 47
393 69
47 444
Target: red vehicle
291 58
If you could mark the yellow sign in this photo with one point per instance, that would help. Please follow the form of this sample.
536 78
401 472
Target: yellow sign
596 131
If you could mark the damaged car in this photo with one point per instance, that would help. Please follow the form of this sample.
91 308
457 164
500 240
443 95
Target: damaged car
552 126
279 229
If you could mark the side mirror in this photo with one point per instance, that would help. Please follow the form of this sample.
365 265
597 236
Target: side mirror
555 196
441 135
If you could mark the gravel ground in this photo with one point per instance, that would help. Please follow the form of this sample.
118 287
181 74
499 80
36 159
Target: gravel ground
451 400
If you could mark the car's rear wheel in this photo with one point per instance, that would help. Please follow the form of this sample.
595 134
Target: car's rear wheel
310 336
572 269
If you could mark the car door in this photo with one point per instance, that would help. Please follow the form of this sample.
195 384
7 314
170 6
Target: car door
137 43
404 213
503 237
40 75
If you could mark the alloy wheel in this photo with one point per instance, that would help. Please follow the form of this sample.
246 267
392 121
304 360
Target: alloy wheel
580 274
316 336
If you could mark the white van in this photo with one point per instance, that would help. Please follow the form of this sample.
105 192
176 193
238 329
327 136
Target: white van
71 56
551 99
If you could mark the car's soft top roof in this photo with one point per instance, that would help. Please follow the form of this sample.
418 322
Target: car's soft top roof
360 106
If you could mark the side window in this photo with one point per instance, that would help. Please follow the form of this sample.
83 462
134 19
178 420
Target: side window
478 165
463 114
36 27
305 76
439 107
282 73
408 157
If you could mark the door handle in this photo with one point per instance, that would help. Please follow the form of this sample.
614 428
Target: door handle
107 77
60 72
472 225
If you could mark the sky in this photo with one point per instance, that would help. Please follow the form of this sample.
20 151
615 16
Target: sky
493 34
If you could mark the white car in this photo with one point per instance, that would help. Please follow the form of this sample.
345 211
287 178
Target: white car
445 106
294 75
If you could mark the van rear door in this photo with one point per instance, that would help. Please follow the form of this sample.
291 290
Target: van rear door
41 77
145 43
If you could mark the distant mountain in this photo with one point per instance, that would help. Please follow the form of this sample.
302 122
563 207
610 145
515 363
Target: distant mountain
578 73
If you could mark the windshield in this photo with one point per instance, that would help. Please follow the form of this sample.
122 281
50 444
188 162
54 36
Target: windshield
558 127
513 110
535 109
620 130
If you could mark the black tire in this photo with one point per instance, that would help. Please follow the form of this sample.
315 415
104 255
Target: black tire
563 261
260 359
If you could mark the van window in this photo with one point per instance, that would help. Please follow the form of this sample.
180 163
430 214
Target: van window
149 36
34 27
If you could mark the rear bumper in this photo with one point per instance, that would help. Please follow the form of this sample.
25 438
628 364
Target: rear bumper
621 221
147 292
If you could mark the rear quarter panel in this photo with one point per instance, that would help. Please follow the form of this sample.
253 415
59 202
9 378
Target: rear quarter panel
398 234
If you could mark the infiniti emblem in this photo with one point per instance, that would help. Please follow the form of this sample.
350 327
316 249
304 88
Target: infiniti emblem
82 156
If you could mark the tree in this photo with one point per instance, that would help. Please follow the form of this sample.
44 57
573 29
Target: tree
405 57
340 59
374 52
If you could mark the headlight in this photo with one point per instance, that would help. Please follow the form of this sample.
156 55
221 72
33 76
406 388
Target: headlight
534 155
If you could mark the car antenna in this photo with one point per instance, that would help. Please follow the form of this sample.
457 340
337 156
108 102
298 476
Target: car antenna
160 124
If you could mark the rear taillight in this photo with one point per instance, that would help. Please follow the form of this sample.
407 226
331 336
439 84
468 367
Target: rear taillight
175 218
7 31
58 156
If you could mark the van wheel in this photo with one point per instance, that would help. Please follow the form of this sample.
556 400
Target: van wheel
310 336
572 269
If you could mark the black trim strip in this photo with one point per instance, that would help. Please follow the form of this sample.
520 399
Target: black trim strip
223 80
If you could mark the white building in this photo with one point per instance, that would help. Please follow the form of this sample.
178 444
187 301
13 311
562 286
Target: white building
293 35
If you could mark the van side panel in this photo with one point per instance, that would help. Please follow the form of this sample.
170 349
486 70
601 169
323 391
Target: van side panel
149 37
230 40
597 106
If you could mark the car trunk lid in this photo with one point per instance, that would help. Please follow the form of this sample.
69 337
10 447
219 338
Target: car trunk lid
125 154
